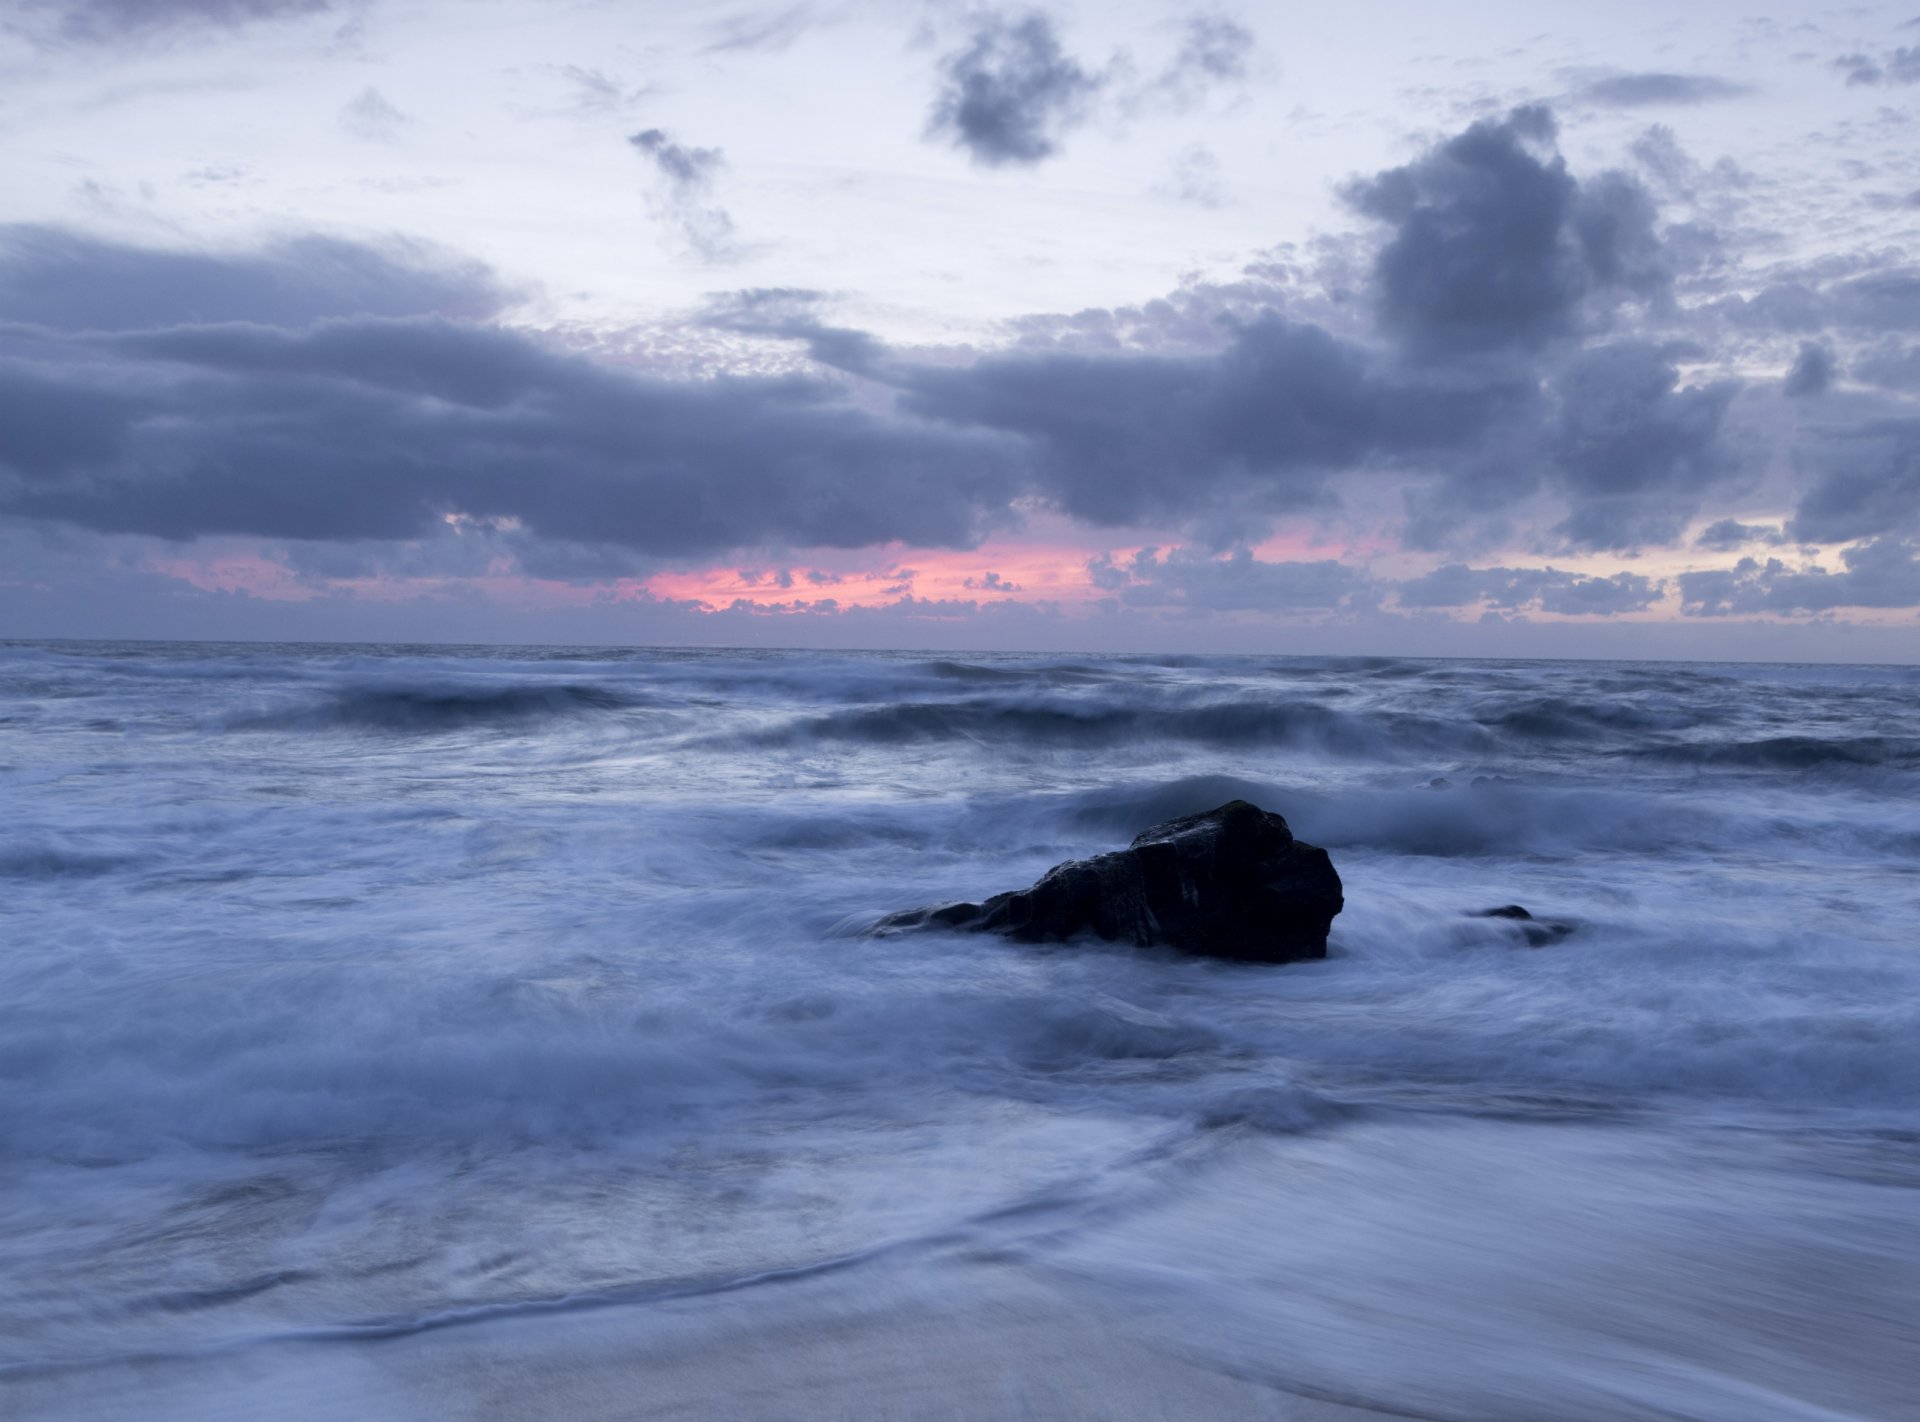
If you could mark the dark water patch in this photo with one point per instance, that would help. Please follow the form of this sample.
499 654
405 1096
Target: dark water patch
427 710
1019 674
1559 718
48 862
1791 752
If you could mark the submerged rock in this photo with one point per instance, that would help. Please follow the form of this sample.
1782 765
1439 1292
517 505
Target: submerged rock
1537 932
1230 883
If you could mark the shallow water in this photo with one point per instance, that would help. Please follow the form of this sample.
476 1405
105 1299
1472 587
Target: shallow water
353 991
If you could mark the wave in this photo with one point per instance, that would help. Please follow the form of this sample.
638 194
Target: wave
426 709
1491 816
1293 725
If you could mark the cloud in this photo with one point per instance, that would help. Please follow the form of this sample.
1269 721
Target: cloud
1495 246
366 426
1549 589
1632 91
686 197
1189 579
1215 52
1900 66
1881 573
1812 372
769 29
990 582
109 21
1633 447
1261 424
1011 93
52 277
1882 299
350 395
1729 534
1869 482
373 117
597 92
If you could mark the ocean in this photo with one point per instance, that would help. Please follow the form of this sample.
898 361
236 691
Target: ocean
401 1032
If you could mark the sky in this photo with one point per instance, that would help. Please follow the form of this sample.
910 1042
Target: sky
1504 329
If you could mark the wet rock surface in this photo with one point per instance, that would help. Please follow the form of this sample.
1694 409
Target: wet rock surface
1534 932
1230 883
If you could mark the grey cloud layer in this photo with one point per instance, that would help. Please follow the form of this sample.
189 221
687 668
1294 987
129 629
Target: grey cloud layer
52 277
104 21
369 428
320 390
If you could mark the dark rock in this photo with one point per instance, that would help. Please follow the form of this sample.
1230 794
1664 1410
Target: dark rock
1230 883
1537 932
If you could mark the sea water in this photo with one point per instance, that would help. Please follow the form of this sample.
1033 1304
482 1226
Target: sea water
351 992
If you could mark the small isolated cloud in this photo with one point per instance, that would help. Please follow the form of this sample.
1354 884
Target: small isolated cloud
685 200
760 28
1496 245
1215 52
990 582
373 117
597 92
1900 66
1812 373
1011 93
1634 91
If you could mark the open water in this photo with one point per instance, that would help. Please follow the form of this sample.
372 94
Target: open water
351 993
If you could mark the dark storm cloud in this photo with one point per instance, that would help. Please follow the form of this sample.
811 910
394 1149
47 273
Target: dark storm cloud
367 428
1494 245
1011 92
1869 483
1881 573
1630 91
1521 589
224 403
1634 448
104 21
52 277
1812 372
687 180
1128 438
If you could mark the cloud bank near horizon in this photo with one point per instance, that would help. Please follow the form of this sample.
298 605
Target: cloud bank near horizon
1516 389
